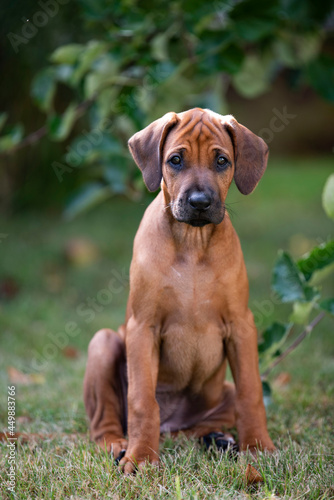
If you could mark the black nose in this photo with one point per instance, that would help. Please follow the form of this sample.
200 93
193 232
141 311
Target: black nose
199 200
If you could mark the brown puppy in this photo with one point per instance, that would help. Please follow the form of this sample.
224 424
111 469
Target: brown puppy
188 310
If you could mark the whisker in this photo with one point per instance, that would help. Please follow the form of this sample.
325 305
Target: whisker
230 211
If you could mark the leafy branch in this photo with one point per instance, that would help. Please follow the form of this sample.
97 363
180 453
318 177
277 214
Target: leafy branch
37 135
308 329
294 283
144 63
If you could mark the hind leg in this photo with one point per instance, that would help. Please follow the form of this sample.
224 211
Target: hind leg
105 391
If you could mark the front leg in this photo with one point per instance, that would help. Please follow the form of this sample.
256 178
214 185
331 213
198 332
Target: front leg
143 410
242 354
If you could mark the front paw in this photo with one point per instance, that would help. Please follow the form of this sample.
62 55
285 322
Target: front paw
136 460
256 445
113 444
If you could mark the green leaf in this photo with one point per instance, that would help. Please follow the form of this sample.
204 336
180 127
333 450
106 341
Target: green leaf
226 57
295 49
231 59
90 54
11 138
159 46
116 175
254 29
322 274
255 19
253 77
64 73
266 389
328 197
287 281
301 312
61 126
86 198
43 88
96 81
107 101
104 74
67 54
320 74
319 257
327 305
3 119
274 336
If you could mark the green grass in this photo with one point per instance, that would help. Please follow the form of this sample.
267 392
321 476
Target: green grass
284 212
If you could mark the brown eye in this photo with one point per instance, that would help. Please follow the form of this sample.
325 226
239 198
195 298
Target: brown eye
222 160
175 160
222 163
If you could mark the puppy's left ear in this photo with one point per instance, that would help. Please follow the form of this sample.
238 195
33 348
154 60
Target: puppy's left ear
146 148
250 155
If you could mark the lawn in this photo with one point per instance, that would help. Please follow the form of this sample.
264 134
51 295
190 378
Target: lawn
44 289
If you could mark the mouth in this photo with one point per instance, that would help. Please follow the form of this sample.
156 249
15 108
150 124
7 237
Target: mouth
198 222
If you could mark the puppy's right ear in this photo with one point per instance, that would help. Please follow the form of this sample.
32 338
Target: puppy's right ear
146 148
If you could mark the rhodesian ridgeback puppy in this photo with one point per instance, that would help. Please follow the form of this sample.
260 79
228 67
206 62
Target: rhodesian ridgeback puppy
187 314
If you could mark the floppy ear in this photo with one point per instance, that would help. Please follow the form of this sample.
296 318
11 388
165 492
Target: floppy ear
146 148
250 155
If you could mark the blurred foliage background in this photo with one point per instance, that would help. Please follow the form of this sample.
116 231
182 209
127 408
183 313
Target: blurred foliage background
80 77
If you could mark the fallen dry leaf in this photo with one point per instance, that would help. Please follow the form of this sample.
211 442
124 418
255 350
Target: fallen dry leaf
21 437
23 419
81 252
282 379
37 378
9 288
70 352
17 377
54 282
252 475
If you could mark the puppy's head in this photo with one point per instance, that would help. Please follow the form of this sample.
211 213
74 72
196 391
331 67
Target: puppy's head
197 154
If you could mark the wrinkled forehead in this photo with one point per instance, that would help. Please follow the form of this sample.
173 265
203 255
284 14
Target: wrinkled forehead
199 130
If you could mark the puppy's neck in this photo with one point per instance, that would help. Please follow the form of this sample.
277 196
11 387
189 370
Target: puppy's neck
191 238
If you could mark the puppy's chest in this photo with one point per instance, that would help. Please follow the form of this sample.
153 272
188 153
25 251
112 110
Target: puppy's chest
192 331
190 353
